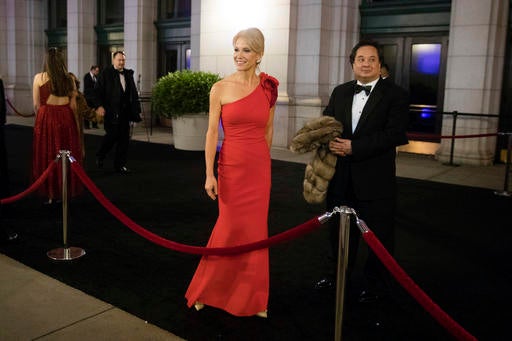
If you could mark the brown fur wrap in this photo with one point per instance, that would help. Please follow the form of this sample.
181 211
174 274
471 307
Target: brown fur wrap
315 135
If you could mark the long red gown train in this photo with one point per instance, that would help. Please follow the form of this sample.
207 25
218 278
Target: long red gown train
55 129
240 284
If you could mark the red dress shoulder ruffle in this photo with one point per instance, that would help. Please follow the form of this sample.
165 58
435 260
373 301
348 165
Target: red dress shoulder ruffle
270 85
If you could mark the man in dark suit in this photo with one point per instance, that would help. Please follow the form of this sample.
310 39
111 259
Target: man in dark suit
374 114
384 71
6 235
89 83
116 98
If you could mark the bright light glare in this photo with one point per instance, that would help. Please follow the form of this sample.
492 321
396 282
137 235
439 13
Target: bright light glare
426 58
238 15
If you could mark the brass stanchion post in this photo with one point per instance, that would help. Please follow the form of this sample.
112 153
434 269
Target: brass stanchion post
342 270
65 252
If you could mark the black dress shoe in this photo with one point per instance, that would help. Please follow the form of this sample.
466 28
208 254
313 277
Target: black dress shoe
123 170
367 296
99 162
325 283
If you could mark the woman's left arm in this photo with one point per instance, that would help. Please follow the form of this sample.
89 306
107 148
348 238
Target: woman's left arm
35 92
269 129
72 99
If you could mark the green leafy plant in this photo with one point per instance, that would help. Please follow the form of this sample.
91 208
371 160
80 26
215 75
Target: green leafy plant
183 92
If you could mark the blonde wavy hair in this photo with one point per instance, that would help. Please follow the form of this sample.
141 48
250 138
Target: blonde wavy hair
254 38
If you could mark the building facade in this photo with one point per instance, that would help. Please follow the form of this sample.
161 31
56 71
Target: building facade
452 56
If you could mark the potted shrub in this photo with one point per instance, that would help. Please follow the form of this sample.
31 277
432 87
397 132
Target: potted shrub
183 96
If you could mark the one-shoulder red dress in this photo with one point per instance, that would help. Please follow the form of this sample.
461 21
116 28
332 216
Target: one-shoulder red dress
55 129
240 284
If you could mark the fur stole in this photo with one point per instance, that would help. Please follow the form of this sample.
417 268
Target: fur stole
315 135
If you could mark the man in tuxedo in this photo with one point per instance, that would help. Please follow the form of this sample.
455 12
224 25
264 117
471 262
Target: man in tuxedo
384 71
6 235
89 83
116 99
374 114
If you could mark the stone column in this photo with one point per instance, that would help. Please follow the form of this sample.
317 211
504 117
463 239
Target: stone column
474 76
140 41
81 36
22 45
195 35
322 35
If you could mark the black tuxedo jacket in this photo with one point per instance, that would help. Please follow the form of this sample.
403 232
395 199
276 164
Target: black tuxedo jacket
89 84
118 104
370 170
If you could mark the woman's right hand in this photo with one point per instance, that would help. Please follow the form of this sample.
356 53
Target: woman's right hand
210 187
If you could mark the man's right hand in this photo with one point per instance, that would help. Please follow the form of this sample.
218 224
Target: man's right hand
100 111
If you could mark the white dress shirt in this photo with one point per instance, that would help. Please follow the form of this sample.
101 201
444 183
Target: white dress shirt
359 102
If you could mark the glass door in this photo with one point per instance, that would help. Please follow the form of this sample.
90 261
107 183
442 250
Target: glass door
174 57
425 61
418 64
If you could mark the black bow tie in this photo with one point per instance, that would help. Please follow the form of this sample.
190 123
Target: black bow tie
121 72
366 88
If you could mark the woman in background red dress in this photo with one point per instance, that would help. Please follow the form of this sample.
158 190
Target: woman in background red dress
55 128
244 101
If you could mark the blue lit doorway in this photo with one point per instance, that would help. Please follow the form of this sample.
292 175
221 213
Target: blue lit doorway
419 65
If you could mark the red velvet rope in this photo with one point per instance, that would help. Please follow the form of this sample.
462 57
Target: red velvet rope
16 111
437 137
217 251
415 291
32 187
389 262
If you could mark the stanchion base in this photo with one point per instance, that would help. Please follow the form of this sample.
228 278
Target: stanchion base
503 193
67 253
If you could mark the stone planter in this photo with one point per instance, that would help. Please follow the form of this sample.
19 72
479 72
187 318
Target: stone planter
165 122
189 131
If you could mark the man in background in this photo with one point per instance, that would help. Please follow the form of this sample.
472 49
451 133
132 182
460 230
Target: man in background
384 71
89 83
116 99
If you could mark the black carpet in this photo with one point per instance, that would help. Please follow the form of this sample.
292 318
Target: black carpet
452 240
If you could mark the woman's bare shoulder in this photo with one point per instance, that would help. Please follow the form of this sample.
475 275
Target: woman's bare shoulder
40 78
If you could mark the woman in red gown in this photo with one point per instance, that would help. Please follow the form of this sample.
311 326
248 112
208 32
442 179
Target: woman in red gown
55 128
244 101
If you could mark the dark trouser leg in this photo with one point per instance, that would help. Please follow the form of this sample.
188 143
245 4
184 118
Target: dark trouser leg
123 140
379 215
342 194
110 138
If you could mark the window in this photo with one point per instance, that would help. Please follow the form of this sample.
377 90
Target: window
110 12
173 57
173 9
57 14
